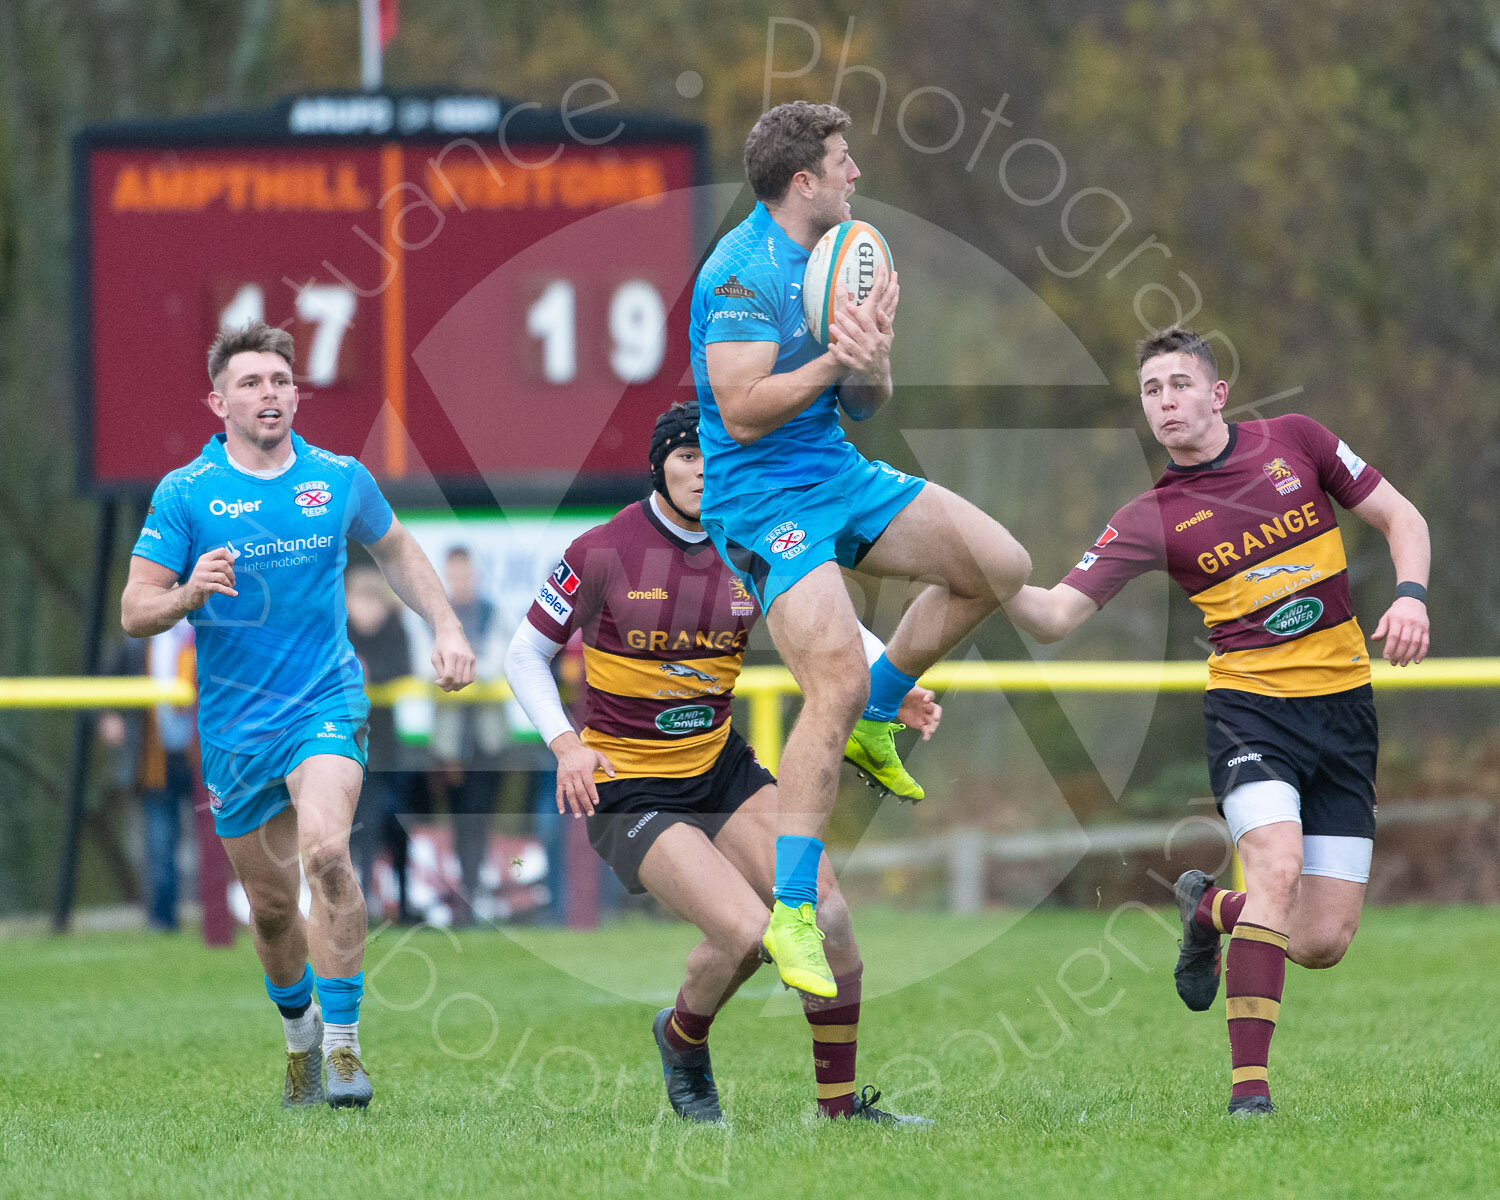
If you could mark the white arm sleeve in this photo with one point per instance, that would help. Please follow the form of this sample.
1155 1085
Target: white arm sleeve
874 647
528 670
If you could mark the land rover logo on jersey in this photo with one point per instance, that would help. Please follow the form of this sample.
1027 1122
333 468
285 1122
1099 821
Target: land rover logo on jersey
787 539
313 497
685 719
1294 617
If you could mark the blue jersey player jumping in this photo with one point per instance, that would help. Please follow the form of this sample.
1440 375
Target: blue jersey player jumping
248 542
788 500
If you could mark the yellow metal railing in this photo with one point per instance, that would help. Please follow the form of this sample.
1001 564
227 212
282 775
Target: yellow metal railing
763 688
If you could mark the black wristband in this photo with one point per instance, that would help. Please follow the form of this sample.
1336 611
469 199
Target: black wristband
1415 590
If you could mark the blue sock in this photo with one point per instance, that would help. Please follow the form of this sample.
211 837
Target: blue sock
888 687
340 998
797 870
294 999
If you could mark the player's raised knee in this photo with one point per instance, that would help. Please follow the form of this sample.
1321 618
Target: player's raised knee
742 942
1324 949
1009 566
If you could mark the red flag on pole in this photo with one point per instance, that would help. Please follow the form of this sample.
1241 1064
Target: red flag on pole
388 16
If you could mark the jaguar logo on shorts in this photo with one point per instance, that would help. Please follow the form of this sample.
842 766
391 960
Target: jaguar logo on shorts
788 539
685 719
1294 617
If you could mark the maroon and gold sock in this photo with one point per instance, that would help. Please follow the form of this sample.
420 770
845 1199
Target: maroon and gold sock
835 1027
1255 972
686 1030
1219 910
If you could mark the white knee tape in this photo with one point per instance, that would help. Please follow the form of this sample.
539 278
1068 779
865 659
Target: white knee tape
1337 857
1264 802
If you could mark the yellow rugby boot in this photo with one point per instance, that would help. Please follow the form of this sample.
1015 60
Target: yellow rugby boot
795 944
872 750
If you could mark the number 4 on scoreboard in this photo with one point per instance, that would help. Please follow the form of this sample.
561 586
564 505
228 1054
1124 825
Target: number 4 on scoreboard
328 308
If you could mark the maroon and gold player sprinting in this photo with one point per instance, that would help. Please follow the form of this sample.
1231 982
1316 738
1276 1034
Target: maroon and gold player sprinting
676 801
1243 520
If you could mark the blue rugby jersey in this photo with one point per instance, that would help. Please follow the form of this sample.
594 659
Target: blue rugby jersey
277 653
750 290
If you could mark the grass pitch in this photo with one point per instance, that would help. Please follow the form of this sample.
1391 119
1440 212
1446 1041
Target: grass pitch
1055 1059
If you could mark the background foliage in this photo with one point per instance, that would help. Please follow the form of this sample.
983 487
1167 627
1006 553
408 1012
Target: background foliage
1324 174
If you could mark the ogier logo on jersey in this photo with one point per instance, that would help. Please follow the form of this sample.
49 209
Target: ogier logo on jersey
313 497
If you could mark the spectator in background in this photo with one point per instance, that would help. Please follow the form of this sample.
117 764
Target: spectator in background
392 779
469 739
155 760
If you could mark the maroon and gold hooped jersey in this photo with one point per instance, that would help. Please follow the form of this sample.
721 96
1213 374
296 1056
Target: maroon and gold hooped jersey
665 623
1253 539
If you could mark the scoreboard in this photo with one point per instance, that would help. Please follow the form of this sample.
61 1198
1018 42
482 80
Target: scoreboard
488 299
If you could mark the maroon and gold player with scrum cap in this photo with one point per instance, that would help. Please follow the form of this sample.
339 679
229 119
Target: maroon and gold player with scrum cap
677 803
1243 520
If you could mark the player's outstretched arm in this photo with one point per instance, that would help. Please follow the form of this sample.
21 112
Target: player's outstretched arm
752 400
528 670
412 578
1404 627
1049 614
153 602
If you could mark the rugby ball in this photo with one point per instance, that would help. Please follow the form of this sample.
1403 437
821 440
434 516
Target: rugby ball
847 254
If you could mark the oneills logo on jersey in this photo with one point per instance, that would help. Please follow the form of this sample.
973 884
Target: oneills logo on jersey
733 287
312 497
1109 535
1281 476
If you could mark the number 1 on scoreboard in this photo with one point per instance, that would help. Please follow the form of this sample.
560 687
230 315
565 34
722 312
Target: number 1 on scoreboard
637 331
